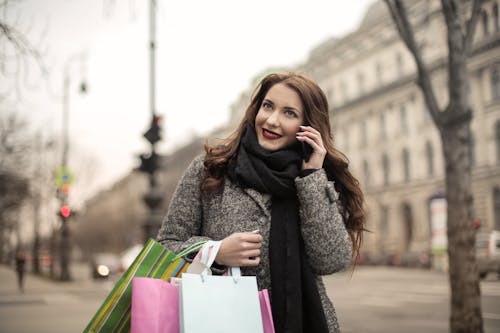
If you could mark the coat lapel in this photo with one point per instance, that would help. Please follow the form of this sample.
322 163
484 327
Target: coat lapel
259 199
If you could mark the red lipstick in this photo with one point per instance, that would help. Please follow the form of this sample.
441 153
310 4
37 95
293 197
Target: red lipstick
270 135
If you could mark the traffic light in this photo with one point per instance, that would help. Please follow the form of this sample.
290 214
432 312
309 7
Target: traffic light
65 211
149 163
65 189
153 134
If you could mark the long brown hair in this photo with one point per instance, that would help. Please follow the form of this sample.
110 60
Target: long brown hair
317 116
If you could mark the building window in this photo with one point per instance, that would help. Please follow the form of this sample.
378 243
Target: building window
383 130
495 84
361 83
346 139
343 90
386 168
408 224
497 139
366 172
496 19
406 165
378 72
403 119
429 152
484 18
496 205
329 96
399 64
384 220
363 133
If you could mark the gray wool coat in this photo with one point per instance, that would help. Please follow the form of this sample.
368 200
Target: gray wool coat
193 216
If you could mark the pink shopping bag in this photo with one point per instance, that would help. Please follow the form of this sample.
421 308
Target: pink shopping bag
265 308
155 306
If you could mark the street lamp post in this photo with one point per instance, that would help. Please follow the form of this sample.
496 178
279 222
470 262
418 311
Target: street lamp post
65 241
151 163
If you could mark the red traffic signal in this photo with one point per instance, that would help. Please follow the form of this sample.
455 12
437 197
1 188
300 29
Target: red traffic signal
65 211
153 134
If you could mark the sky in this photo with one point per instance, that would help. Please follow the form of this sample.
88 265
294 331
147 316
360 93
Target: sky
207 54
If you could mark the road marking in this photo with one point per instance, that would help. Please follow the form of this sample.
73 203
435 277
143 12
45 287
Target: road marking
378 301
19 300
493 316
60 299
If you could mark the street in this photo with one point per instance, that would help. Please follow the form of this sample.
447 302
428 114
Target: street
390 299
373 299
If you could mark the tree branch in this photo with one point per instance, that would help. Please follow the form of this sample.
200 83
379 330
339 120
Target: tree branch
472 23
22 45
400 18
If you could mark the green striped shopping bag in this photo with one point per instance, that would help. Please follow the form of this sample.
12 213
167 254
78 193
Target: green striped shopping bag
154 261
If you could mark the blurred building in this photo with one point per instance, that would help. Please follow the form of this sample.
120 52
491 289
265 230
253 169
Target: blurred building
380 122
113 219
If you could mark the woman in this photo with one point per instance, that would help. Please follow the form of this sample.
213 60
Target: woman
283 215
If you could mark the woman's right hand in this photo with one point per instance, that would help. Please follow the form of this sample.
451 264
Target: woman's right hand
240 249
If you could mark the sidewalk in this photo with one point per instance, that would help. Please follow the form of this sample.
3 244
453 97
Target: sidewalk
47 305
8 279
37 284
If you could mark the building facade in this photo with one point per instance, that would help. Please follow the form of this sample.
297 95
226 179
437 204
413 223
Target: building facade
381 123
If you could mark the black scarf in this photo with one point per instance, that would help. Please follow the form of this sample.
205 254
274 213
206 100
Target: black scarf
295 303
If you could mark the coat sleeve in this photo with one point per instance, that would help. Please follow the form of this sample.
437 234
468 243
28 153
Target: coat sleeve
327 243
182 225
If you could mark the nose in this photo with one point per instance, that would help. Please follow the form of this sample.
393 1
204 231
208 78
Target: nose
273 119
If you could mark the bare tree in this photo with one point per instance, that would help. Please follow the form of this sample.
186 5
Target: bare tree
453 123
14 177
18 52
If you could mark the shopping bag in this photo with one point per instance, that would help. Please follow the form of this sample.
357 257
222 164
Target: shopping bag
155 306
155 261
265 308
222 304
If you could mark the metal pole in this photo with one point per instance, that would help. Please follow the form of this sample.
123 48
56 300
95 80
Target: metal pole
154 197
36 205
152 63
65 234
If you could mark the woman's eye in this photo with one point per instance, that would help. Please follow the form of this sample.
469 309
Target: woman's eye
290 113
266 106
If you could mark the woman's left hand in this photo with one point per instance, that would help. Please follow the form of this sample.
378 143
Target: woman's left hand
312 137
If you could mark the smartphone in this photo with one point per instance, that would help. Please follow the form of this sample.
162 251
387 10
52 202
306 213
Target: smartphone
306 151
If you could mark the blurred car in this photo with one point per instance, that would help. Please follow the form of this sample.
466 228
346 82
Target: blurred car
104 264
488 253
128 256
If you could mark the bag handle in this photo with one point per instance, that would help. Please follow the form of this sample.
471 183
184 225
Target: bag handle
205 258
190 249
208 253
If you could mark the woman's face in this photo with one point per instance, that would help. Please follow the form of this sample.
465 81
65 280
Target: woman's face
279 118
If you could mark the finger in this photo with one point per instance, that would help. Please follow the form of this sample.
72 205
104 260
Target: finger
315 146
251 254
310 129
247 246
313 135
252 237
250 261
